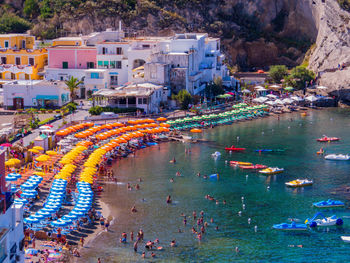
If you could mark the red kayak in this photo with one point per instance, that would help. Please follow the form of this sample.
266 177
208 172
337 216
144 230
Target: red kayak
328 139
257 166
233 148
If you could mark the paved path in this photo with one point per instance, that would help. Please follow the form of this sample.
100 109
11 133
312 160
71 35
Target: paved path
78 115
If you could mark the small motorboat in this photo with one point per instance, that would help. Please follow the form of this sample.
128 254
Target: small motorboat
234 149
328 139
324 221
216 154
299 183
345 239
337 157
253 167
239 163
290 227
151 143
272 170
329 203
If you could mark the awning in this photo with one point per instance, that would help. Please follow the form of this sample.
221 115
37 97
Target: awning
46 97
113 73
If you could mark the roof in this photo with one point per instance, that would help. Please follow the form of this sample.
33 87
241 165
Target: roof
68 39
13 35
57 83
72 47
132 90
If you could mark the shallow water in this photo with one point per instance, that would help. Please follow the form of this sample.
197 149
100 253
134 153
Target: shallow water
267 200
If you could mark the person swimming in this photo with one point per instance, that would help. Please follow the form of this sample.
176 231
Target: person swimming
173 160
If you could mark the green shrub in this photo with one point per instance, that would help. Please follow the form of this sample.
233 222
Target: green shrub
45 121
12 23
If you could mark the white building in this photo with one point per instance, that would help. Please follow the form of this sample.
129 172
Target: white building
21 94
184 61
144 96
11 222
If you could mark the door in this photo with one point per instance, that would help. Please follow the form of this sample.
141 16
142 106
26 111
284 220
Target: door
31 61
18 61
18 103
23 44
82 93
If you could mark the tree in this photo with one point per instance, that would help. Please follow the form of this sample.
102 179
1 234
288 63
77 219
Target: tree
10 23
299 77
278 72
214 88
31 8
184 98
72 86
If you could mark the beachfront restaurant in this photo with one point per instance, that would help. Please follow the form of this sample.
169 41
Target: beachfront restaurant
146 96
20 94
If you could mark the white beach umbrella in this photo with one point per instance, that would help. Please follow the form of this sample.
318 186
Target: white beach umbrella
257 100
287 101
296 98
261 89
278 101
271 96
258 87
311 98
246 91
263 99
275 86
270 102
322 87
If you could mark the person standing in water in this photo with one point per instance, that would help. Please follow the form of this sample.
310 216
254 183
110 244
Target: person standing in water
168 199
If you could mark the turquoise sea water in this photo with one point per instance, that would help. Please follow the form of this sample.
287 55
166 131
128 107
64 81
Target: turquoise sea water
265 206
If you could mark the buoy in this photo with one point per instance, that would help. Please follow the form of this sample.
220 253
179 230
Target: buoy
225 161
268 187
239 213
237 138
249 220
255 228
243 206
242 198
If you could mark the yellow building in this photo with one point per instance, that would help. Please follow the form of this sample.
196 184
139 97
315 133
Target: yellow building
68 41
19 59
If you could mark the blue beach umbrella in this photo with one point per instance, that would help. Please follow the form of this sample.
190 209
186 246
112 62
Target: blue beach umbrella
31 220
82 205
59 223
67 220
44 213
38 216
10 178
78 213
27 195
30 191
15 175
28 186
21 200
79 209
81 202
50 210
72 217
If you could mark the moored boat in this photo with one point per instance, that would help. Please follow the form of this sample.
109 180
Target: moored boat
253 167
299 183
328 139
239 163
329 203
272 170
290 227
324 221
234 149
337 157
345 239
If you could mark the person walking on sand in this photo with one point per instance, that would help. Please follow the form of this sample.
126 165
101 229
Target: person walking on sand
133 209
168 199
82 241
135 246
131 236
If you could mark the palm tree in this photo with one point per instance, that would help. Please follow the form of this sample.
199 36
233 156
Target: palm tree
72 86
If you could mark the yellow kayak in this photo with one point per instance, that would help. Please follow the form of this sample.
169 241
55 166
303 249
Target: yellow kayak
271 170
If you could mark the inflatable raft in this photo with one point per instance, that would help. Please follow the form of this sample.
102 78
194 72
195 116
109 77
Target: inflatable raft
328 139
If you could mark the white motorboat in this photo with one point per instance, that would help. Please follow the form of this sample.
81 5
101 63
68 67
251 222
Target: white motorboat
345 239
337 157
216 154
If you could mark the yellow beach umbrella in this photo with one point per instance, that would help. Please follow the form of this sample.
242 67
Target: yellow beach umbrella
40 174
51 153
33 151
39 148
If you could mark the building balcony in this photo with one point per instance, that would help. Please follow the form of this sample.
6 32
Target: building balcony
27 69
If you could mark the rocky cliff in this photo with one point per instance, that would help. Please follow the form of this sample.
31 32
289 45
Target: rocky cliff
254 33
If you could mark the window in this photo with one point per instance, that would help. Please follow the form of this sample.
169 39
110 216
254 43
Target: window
61 78
90 65
64 64
95 75
139 101
18 60
6 44
146 46
114 80
31 61
104 50
23 44
144 101
119 51
105 64
118 64
112 64
3 60
100 64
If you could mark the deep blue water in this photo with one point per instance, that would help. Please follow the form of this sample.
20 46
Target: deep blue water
267 200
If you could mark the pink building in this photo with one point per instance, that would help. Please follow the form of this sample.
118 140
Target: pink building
72 57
